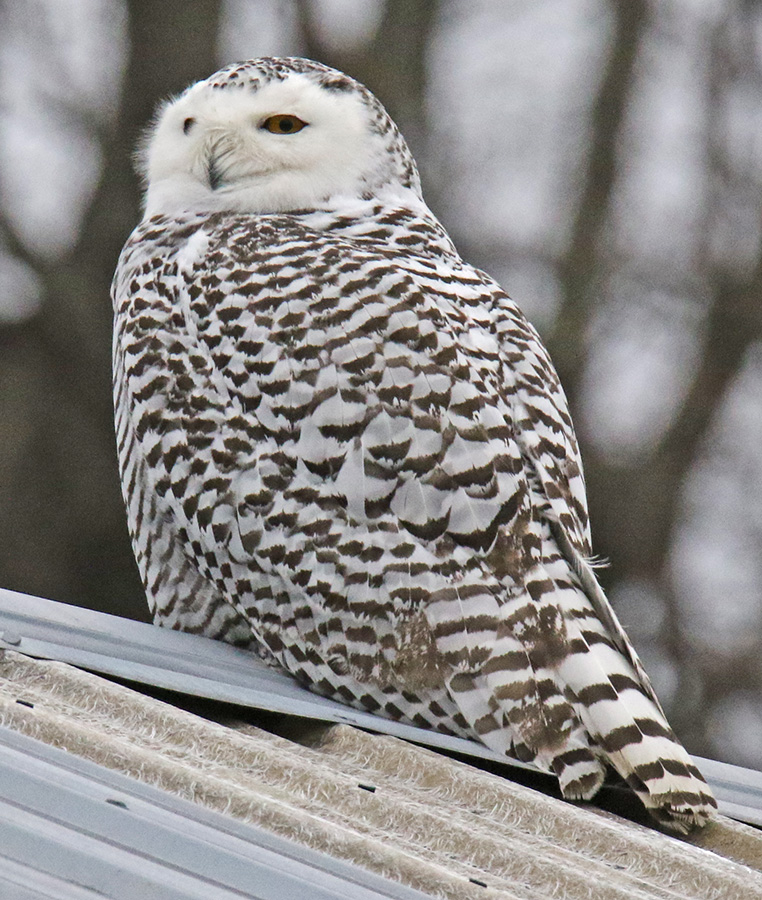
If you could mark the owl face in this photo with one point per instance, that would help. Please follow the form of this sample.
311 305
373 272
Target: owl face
268 145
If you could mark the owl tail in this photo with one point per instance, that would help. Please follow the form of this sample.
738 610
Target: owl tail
618 708
563 688
630 731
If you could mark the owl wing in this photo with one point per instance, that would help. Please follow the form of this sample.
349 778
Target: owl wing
549 446
544 425
329 414
256 333
377 471
548 443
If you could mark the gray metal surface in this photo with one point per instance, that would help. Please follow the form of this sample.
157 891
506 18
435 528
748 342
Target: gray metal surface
738 790
188 663
194 665
72 829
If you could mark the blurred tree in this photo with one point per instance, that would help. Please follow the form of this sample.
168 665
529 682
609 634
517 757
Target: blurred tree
63 531
393 60
672 493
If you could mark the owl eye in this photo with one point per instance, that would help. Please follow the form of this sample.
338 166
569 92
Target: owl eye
188 124
283 124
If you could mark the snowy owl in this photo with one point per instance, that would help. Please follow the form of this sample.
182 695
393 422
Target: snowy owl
343 446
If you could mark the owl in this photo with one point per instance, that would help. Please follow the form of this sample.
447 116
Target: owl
345 448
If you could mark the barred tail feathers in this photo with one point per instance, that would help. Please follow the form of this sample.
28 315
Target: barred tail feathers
619 708
579 770
634 736
514 703
556 689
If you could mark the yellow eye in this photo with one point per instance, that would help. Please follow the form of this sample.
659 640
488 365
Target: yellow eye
283 124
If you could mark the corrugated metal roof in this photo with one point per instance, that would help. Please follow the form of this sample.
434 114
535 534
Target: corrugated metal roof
71 828
402 811
194 665
188 663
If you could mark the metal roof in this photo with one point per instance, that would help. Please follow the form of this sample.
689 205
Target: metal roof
187 663
309 813
72 829
191 664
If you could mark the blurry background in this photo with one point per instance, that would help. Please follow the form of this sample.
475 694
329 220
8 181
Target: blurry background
601 158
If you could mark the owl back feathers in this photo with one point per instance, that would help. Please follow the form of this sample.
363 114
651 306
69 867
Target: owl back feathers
361 461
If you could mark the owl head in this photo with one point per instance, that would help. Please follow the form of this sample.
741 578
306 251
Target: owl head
273 135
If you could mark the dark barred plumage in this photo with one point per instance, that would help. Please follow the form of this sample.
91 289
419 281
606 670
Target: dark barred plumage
346 448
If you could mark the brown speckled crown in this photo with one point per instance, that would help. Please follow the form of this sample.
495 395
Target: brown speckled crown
254 73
